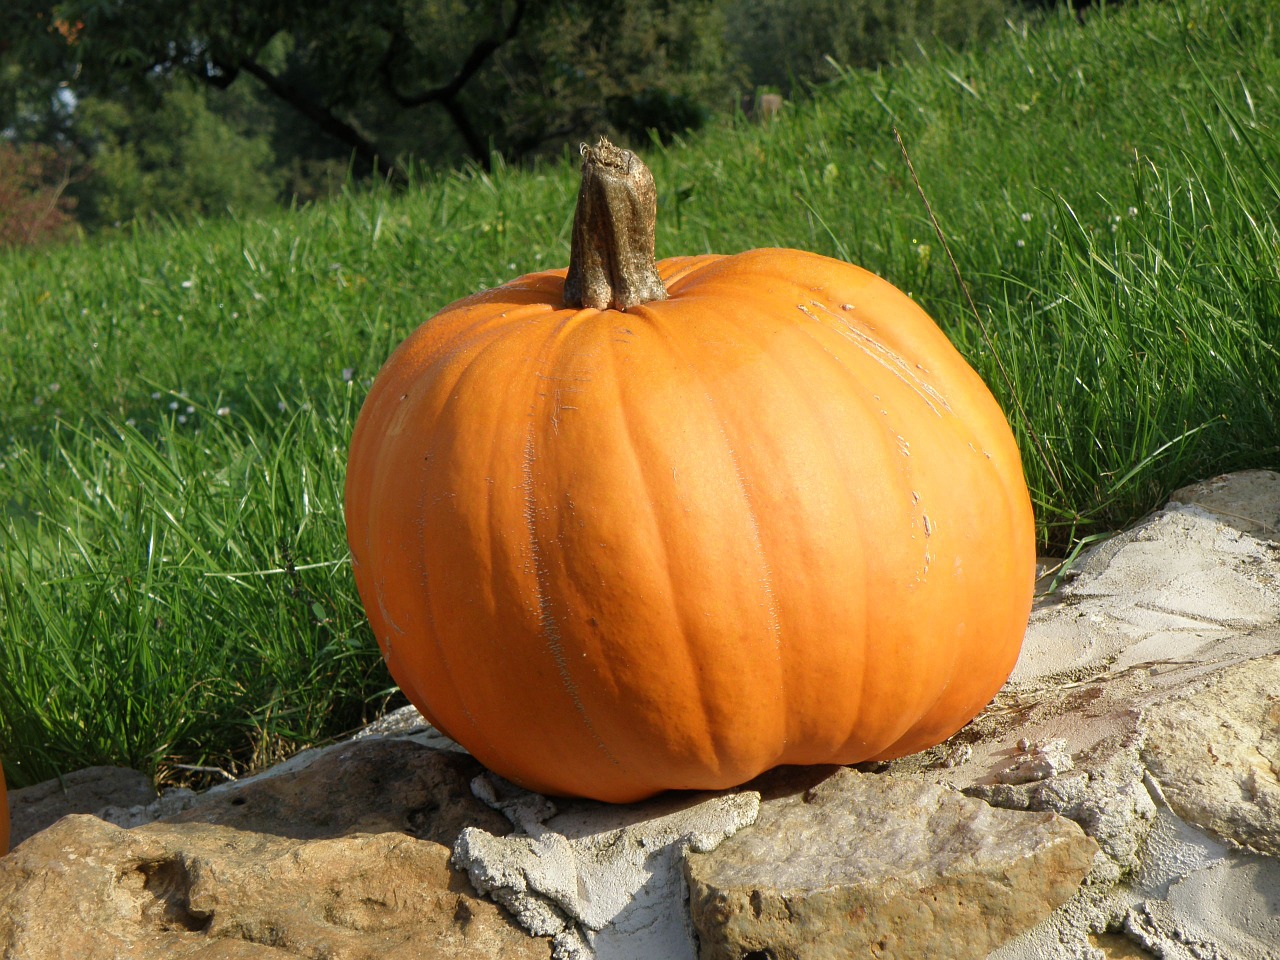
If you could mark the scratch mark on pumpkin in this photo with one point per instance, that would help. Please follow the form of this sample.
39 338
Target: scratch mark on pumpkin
558 406
929 528
547 621
882 355
381 584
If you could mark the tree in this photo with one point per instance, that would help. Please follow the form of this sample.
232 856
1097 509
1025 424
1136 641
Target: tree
339 55
335 88
429 79
170 153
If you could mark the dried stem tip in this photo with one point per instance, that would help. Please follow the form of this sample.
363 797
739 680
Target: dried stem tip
611 259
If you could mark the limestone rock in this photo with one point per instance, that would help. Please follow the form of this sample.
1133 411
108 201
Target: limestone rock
1182 586
1228 911
367 786
82 791
403 720
1248 500
1038 760
1196 898
409 723
1123 661
1113 946
1215 754
346 858
170 803
605 880
875 866
1106 797
88 890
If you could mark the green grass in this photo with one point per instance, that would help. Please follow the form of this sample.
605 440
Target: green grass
175 403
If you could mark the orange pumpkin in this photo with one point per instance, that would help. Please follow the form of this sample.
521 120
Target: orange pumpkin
4 817
774 518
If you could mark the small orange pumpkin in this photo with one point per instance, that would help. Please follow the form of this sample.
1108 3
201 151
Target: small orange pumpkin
700 520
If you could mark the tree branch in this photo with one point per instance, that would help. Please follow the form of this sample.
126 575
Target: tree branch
447 93
369 158
477 146
480 53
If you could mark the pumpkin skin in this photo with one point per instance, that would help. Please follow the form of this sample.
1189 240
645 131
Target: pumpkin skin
4 817
773 519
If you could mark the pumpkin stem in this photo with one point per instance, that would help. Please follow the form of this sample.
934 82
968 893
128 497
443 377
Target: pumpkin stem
611 258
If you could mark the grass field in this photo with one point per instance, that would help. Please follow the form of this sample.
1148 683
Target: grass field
177 400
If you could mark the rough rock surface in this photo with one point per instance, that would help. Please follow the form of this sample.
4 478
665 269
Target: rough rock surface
205 890
1215 753
345 859
409 722
1108 798
1155 662
368 786
82 791
603 880
866 865
1229 910
170 803
1248 500
1143 708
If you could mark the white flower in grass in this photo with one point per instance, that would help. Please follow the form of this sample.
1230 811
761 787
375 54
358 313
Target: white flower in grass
173 404
155 395
223 411
282 406
1020 243
1133 211
182 418
348 373
188 284
1026 218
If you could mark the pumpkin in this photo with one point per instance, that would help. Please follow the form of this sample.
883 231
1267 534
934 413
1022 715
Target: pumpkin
633 527
4 817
